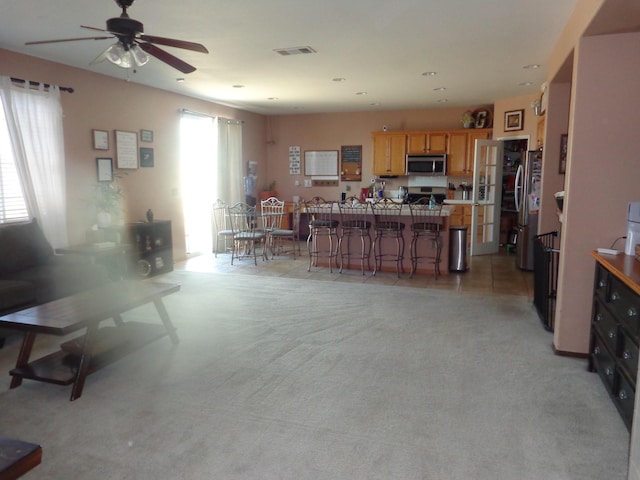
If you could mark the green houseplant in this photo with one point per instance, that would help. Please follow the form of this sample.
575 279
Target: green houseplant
467 119
107 198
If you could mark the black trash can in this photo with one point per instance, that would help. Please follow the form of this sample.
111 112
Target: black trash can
458 249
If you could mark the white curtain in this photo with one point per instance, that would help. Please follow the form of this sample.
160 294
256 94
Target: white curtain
34 119
230 179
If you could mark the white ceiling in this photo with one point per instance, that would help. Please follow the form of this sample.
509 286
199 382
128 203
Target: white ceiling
477 47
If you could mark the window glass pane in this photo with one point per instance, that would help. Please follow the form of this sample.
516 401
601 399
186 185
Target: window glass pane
12 204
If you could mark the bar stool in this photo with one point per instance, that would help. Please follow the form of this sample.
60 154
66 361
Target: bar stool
321 224
354 223
388 224
426 224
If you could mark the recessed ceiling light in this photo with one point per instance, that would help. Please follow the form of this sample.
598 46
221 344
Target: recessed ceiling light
338 79
361 93
429 74
272 98
238 86
439 89
443 100
525 84
531 66
374 104
180 80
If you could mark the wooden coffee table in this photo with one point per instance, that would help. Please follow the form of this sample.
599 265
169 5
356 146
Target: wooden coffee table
96 347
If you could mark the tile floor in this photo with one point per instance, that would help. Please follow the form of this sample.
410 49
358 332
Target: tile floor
495 274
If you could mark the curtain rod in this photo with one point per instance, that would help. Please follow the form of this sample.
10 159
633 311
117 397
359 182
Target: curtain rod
36 84
228 120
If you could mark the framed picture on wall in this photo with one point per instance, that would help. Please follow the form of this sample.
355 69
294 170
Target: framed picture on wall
105 169
564 140
100 140
513 120
146 157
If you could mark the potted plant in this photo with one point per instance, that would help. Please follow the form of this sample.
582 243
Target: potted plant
269 191
467 119
106 198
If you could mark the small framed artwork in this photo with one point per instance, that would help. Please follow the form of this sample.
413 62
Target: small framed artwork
146 157
564 140
513 120
146 136
127 149
100 140
105 169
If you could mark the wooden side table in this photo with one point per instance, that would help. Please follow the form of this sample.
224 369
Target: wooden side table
17 457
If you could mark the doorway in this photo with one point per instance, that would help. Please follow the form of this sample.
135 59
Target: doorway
514 151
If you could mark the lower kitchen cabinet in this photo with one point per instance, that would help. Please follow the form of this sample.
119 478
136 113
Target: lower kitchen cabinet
615 329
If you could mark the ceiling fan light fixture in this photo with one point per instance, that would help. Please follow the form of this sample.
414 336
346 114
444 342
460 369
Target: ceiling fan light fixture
115 54
139 56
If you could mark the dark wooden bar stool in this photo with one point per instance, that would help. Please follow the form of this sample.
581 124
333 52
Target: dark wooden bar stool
388 224
321 224
426 224
354 223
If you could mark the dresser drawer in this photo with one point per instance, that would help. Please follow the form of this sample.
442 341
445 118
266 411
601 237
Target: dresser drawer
625 399
601 282
625 305
604 363
606 326
628 357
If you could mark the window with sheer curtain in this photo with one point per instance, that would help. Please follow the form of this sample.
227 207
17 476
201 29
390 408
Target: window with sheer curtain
32 161
13 206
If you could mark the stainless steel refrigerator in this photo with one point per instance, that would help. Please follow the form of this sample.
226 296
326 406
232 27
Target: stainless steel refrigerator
527 196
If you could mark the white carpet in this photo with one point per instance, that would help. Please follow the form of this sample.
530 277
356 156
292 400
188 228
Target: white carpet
299 379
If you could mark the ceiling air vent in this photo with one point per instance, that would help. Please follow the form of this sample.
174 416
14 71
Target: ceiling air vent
294 51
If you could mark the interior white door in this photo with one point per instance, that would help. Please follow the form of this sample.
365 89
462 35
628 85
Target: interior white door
487 196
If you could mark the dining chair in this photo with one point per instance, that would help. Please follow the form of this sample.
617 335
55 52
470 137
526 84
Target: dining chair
221 225
271 213
426 223
247 236
388 224
322 224
292 235
355 222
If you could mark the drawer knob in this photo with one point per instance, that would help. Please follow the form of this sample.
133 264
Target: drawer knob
598 317
632 312
608 371
612 334
622 395
602 283
627 355
596 351
615 296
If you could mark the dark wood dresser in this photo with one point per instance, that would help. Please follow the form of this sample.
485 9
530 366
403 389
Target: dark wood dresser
615 328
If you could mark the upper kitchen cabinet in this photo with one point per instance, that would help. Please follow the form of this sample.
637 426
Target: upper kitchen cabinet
427 142
457 158
389 152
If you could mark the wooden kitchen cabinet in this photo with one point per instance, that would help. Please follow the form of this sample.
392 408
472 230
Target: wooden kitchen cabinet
457 158
427 142
389 152
461 217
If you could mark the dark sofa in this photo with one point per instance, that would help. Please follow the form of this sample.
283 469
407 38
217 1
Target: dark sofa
32 274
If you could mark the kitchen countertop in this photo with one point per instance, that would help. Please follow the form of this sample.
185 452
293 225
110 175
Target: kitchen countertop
457 202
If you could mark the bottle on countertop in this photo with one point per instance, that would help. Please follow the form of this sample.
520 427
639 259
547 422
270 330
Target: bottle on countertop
432 202
149 216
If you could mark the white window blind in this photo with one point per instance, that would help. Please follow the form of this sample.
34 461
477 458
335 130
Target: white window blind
12 204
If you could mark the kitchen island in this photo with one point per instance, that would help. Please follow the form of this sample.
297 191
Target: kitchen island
422 248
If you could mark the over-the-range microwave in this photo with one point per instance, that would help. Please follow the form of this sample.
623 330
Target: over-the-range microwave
426 164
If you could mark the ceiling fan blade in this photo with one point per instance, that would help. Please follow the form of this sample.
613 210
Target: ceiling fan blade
93 28
170 42
39 42
166 57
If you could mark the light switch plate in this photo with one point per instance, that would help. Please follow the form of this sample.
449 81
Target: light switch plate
307 182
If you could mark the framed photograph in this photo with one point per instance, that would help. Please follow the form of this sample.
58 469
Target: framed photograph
513 120
146 157
564 140
127 149
105 169
481 119
146 136
100 140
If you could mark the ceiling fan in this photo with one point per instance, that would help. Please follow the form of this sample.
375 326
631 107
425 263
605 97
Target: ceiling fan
133 45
